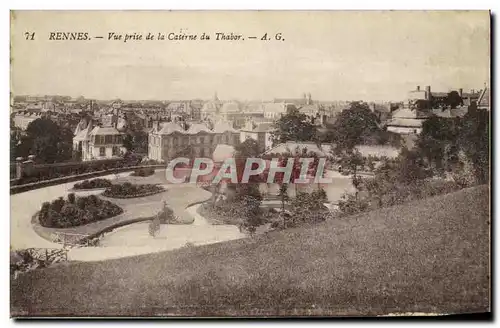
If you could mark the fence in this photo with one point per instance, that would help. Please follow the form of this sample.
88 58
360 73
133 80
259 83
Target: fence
18 186
30 172
71 239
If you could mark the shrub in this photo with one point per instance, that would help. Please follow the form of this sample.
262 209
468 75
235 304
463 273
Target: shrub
57 204
71 198
81 202
93 184
128 190
167 216
82 210
154 227
308 208
144 172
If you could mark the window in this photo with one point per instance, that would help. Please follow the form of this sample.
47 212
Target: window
202 140
116 151
102 151
108 139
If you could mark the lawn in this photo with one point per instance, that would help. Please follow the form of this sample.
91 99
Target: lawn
430 255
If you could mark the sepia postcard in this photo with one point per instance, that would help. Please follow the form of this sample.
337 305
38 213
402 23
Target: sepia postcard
250 164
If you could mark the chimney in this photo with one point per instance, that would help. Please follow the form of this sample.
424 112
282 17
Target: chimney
428 92
418 88
460 92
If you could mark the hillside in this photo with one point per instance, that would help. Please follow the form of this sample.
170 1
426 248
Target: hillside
430 255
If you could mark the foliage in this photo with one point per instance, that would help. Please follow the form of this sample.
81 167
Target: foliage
166 215
128 190
77 211
154 226
240 207
293 126
144 172
411 167
454 100
247 149
47 140
443 140
71 198
136 140
438 140
283 195
395 182
93 184
353 126
474 141
308 208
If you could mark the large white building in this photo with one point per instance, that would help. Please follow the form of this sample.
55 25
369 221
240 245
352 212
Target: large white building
171 140
96 143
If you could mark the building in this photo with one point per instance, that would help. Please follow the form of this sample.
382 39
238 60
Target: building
262 133
95 142
170 140
422 104
273 111
210 109
23 118
188 109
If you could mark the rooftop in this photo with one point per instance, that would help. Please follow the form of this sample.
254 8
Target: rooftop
107 130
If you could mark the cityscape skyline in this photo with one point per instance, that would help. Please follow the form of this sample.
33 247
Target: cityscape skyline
335 56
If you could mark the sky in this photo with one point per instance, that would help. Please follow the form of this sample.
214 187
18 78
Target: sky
338 55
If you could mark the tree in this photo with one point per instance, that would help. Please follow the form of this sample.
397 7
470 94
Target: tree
247 149
351 162
411 167
454 100
309 207
127 142
47 141
437 143
154 226
474 141
354 126
283 195
293 126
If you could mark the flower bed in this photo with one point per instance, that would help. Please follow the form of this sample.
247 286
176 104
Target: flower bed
93 184
76 211
128 190
144 172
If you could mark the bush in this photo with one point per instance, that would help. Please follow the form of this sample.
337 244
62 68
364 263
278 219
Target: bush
93 184
57 204
384 191
82 210
144 172
154 227
71 198
128 190
308 208
167 216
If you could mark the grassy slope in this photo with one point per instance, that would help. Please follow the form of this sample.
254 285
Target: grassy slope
427 256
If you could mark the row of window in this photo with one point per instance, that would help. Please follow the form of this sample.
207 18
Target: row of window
198 140
108 139
115 151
